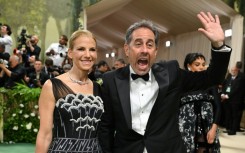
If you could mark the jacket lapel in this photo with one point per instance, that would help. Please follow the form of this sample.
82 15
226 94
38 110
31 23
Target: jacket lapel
123 88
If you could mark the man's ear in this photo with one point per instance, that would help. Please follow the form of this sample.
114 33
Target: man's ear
126 49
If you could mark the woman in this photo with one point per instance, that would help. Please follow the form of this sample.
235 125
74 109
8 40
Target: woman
199 113
70 106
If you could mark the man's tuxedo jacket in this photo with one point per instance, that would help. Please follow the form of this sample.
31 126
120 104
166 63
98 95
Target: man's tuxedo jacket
162 132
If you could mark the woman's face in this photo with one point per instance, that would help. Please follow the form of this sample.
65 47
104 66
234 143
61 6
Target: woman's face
197 65
84 53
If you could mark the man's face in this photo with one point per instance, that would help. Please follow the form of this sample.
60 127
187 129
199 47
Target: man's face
62 41
118 64
234 71
4 29
38 66
141 51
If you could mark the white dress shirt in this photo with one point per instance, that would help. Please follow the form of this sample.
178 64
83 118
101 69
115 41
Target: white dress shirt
7 41
57 59
143 95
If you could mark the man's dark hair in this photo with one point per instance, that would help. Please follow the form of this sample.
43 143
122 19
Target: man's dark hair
8 29
141 24
121 60
239 64
101 63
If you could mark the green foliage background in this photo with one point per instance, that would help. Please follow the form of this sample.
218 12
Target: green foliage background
19 108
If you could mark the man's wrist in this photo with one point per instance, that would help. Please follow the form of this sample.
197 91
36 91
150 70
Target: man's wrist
218 48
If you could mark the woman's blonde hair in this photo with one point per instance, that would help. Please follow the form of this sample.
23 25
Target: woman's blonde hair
79 33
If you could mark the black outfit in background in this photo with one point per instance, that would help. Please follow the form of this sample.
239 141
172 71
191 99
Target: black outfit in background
234 105
17 75
33 79
36 52
162 131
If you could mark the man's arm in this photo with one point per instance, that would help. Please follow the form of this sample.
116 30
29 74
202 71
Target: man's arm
106 130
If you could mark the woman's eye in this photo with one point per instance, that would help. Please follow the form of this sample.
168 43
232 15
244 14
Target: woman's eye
81 49
92 49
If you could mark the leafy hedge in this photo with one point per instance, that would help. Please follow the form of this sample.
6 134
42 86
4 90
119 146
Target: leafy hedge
19 109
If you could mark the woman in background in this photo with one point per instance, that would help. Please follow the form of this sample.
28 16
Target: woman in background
70 106
199 113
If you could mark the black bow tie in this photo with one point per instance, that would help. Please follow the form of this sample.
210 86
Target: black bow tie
61 46
144 77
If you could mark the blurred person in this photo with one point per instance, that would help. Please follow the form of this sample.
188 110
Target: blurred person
57 51
102 67
142 99
4 56
50 69
239 66
31 48
200 112
66 67
13 74
119 63
233 99
70 106
5 38
38 77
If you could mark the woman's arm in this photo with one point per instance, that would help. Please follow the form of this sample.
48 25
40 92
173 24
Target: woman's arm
46 109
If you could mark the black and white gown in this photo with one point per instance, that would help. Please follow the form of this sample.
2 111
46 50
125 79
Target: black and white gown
198 111
76 120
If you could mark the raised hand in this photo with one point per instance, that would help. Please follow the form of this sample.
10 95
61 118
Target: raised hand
211 28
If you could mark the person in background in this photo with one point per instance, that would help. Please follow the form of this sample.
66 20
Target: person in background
30 49
142 99
37 78
70 106
233 99
200 112
57 51
5 38
101 68
119 63
12 74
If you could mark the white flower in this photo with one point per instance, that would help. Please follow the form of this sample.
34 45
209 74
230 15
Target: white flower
14 115
26 116
21 105
28 126
36 106
15 128
20 112
35 130
21 125
32 114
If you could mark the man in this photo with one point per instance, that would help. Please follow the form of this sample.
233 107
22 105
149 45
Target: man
31 49
57 51
38 77
102 67
119 63
141 113
13 74
233 97
6 39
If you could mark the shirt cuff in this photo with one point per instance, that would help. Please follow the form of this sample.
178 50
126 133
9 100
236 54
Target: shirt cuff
223 49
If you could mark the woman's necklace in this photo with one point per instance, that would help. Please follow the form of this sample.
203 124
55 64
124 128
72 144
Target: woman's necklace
77 81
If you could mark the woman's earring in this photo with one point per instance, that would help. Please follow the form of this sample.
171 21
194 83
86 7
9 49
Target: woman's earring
189 69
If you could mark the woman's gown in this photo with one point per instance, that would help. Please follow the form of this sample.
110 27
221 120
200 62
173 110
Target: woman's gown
196 117
76 120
